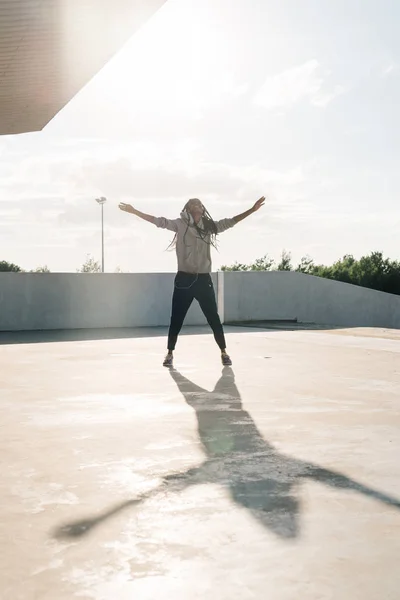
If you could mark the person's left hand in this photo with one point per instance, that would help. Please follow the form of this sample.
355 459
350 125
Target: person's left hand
259 204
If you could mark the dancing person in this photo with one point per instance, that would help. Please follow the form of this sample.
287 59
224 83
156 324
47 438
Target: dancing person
195 233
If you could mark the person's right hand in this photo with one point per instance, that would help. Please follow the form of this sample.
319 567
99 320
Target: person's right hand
126 207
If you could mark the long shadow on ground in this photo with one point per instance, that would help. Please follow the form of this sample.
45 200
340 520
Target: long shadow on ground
238 458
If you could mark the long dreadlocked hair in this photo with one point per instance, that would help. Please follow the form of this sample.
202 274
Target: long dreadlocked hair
208 233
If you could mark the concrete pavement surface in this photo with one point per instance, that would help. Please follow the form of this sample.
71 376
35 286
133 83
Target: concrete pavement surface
277 479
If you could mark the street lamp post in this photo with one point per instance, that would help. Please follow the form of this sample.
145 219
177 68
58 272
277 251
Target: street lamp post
102 200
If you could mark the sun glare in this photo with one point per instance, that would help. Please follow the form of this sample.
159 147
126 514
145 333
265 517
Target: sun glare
172 66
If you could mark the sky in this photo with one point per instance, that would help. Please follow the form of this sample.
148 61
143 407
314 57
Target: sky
225 100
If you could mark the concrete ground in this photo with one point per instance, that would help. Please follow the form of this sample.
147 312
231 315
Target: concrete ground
278 480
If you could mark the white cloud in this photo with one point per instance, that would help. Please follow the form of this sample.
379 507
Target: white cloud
322 99
389 69
48 186
295 84
47 197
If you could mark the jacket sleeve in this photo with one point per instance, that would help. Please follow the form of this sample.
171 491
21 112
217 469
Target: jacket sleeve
224 224
163 223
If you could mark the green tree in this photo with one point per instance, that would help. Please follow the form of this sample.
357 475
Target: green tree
285 263
371 271
90 266
264 263
260 264
44 269
9 267
306 265
236 267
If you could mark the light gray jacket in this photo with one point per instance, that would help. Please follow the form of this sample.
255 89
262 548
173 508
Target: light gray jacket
193 253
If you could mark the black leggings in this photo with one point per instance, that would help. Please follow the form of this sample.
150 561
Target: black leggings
188 287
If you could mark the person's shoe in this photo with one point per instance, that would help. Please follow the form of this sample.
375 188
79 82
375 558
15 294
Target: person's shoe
226 359
168 361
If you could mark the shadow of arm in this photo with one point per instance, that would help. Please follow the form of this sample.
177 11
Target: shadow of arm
175 482
337 480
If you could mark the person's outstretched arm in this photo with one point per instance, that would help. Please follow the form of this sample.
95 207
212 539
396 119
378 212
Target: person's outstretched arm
129 209
225 224
161 222
253 209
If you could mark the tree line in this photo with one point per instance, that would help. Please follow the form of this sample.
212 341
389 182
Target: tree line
89 266
371 271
